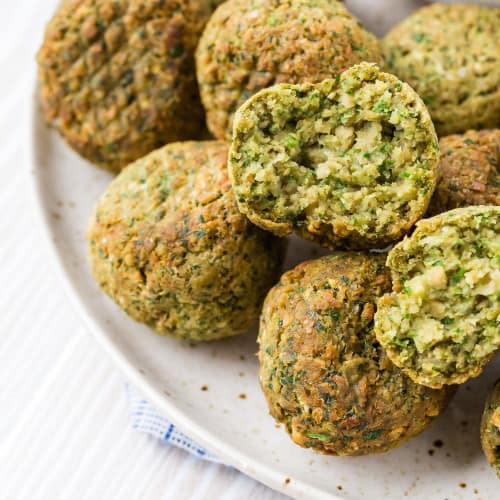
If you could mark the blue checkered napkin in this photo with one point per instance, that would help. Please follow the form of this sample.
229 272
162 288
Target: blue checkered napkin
144 418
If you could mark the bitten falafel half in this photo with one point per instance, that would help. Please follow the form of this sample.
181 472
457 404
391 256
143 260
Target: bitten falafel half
469 171
441 323
247 46
349 162
117 77
322 371
490 428
449 55
168 244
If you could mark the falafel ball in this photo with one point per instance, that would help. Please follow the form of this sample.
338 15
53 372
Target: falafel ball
322 371
490 428
247 46
441 323
348 163
469 171
117 77
449 55
168 244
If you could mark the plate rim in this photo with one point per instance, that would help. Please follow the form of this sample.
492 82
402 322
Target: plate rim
230 455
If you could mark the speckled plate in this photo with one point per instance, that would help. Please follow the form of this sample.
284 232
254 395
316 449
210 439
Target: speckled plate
230 417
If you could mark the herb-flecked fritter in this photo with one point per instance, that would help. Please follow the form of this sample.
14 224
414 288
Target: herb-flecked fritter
349 162
168 244
322 371
469 171
441 324
117 77
450 55
250 45
490 428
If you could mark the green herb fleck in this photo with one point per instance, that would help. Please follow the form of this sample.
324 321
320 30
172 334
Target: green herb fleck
291 141
468 141
381 106
315 435
418 37
176 51
457 276
271 20
368 436
334 315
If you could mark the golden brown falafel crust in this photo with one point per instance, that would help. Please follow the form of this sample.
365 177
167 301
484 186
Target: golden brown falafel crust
117 77
322 371
168 244
449 55
247 46
490 428
469 171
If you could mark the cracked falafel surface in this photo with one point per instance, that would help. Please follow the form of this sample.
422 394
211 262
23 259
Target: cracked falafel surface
322 371
168 244
117 77
468 171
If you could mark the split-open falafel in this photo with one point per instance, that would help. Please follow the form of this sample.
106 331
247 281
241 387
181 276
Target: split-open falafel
349 162
441 323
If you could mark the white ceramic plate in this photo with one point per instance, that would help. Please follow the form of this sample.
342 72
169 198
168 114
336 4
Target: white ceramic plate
231 418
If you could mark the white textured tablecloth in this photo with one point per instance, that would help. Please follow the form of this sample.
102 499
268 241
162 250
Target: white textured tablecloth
64 421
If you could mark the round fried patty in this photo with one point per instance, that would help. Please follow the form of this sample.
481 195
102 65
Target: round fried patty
349 162
490 428
469 171
322 371
449 55
117 77
441 324
168 244
247 46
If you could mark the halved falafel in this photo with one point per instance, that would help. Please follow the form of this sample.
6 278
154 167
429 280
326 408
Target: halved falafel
322 371
247 46
441 324
168 244
117 77
349 162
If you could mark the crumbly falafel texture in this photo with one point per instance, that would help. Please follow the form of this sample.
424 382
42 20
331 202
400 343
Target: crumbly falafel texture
322 371
441 323
168 244
349 162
